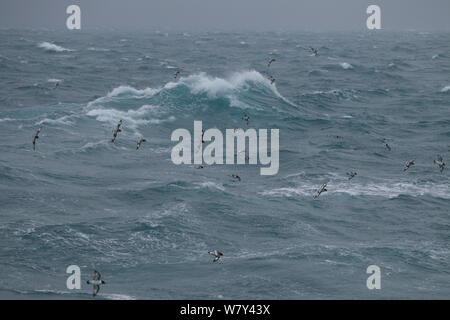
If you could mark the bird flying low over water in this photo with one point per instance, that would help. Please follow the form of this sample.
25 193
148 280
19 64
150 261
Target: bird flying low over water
175 75
313 51
270 62
116 131
351 175
384 141
323 188
272 79
440 162
235 176
139 143
245 117
96 282
409 164
217 254
35 137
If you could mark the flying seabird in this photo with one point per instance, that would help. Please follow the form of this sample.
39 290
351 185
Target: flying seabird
139 143
235 176
36 136
272 79
351 175
270 62
409 164
245 117
314 51
217 254
323 188
96 282
440 162
384 141
175 75
116 131
56 85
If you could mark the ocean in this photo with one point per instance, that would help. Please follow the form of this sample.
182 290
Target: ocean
147 224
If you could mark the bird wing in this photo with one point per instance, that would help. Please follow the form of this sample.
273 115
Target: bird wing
215 259
97 275
439 158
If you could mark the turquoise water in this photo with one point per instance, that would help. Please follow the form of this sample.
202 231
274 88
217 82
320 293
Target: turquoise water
147 225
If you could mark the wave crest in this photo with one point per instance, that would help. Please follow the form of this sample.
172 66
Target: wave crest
52 47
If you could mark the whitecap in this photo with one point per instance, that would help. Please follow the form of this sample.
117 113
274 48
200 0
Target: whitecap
346 65
63 120
52 47
211 185
385 190
6 119
445 89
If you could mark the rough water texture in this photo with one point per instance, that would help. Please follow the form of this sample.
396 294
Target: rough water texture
147 224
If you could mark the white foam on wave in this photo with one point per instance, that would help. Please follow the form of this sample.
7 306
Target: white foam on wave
215 86
98 49
54 80
62 120
211 185
6 119
94 145
123 90
133 118
445 89
199 83
52 47
222 87
385 190
346 65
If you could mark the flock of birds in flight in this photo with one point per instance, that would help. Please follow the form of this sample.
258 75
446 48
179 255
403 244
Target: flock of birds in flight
96 282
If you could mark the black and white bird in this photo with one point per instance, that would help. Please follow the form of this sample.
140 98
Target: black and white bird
139 143
235 176
175 75
116 131
351 175
217 254
272 79
384 141
245 117
270 62
440 162
96 282
313 51
35 137
323 188
409 164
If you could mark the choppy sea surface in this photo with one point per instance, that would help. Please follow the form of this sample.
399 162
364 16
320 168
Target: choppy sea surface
147 225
